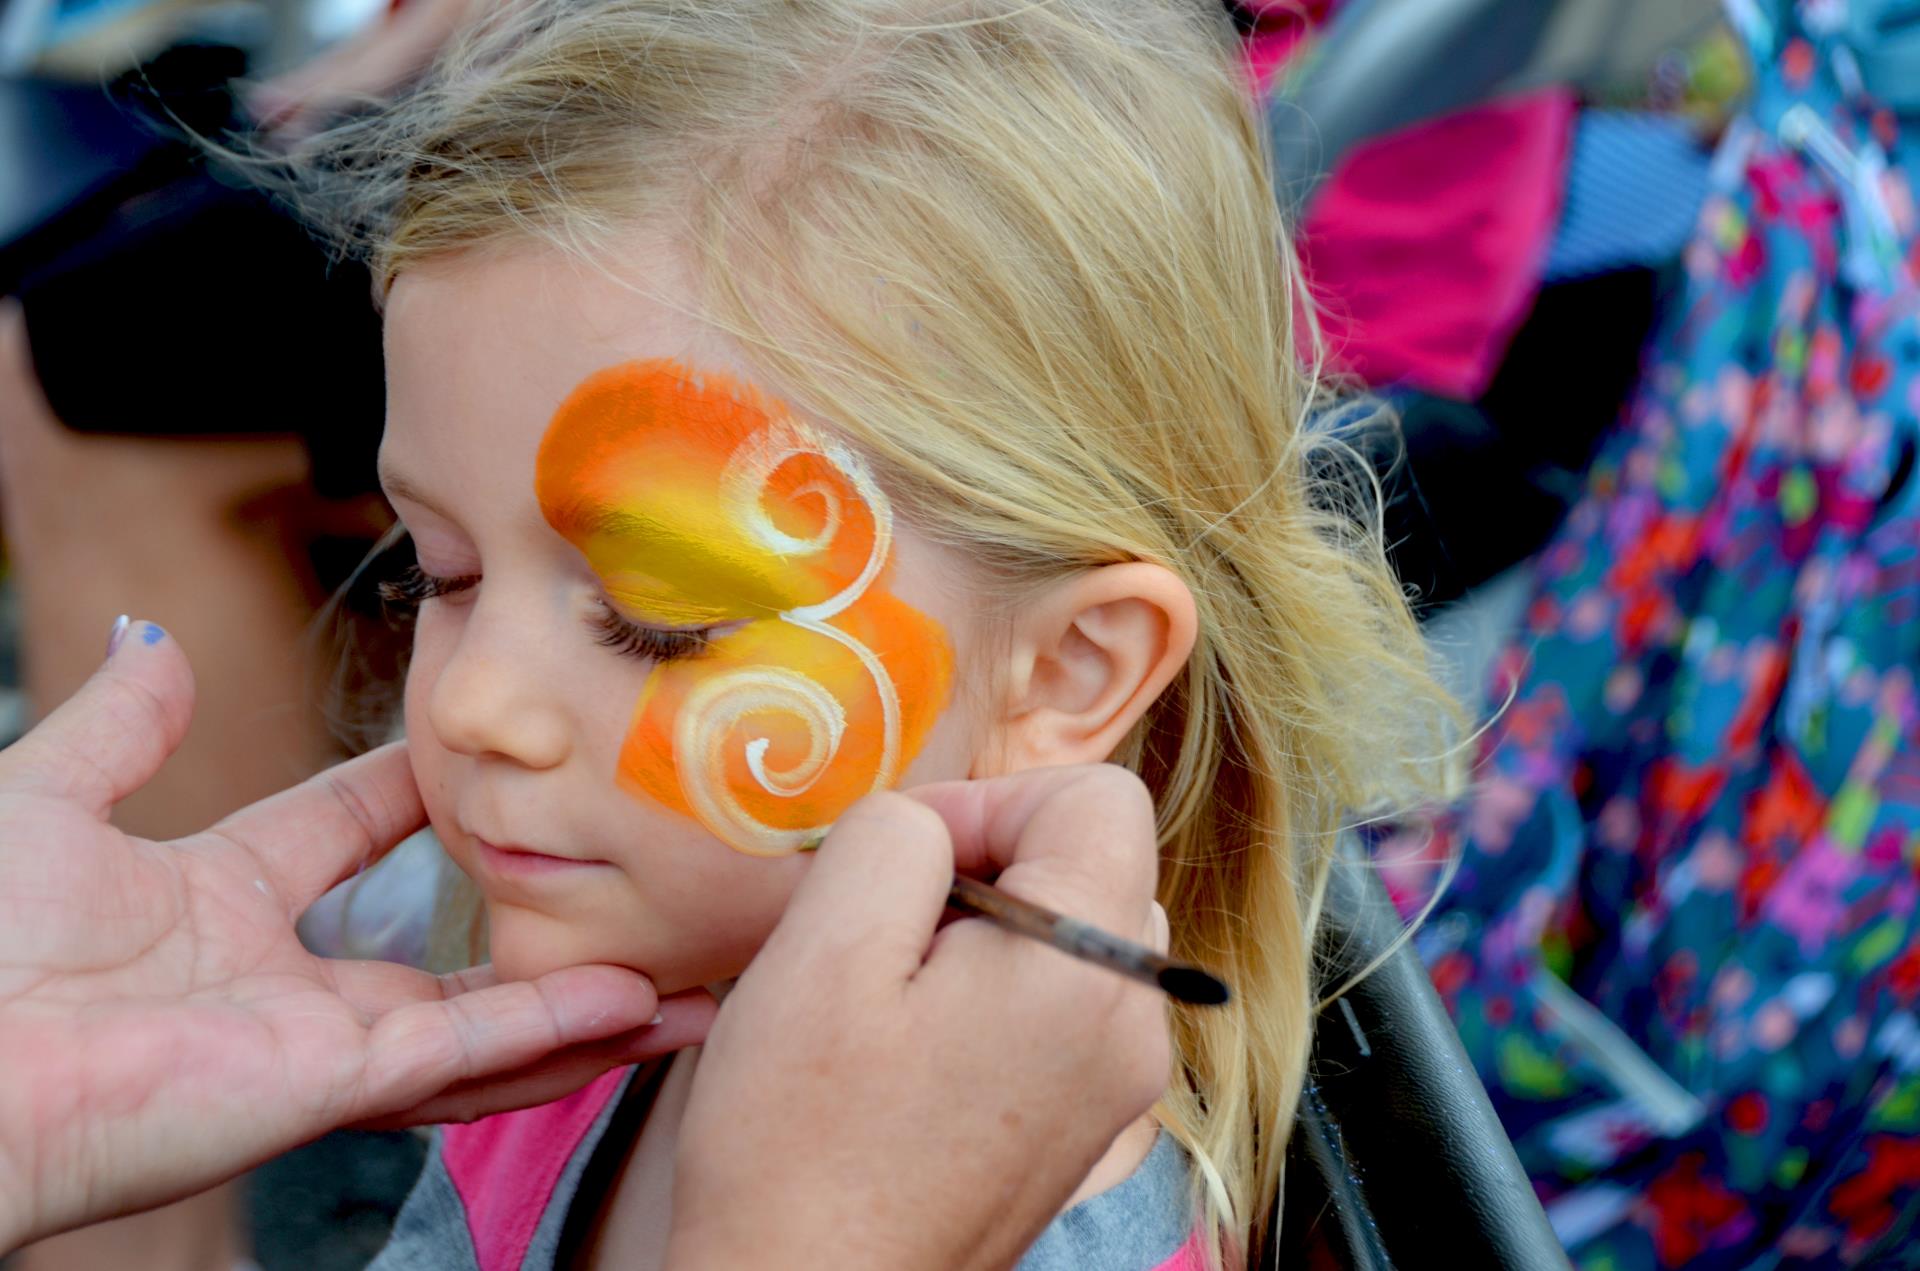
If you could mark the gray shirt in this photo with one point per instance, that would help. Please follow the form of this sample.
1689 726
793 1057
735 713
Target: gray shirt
579 1143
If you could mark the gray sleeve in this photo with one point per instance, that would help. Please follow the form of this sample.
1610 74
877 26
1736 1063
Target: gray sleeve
1133 1227
431 1232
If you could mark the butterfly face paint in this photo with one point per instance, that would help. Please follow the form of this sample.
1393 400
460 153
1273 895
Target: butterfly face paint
699 503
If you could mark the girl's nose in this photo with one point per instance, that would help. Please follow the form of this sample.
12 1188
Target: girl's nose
492 698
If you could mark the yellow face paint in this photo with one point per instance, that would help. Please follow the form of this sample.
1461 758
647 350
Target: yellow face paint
698 503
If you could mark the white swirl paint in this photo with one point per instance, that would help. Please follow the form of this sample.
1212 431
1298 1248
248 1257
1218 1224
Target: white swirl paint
704 730
709 716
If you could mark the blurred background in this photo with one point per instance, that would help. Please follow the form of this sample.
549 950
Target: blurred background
1636 278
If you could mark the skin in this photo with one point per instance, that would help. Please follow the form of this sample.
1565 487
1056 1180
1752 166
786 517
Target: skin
700 503
214 555
526 733
191 1036
955 1011
217 1047
517 717
1072 1015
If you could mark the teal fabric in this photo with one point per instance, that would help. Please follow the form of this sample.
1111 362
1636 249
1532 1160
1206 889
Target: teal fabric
1885 36
1682 944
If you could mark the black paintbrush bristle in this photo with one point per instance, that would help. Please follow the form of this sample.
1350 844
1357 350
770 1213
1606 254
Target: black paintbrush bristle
1191 984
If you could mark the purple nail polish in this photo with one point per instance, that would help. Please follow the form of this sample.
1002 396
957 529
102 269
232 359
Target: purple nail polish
119 633
152 634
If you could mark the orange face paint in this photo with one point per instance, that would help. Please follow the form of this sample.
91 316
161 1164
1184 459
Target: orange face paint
699 503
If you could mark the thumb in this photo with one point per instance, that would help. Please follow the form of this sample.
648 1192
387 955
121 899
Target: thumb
1159 935
108 739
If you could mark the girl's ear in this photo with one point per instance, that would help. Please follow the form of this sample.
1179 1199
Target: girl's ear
1087 657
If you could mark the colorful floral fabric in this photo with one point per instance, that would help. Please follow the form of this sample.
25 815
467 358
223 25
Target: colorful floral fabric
1683 943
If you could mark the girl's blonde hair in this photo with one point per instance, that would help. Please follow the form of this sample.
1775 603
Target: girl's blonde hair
1026 253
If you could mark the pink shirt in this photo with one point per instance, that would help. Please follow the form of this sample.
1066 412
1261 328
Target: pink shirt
495 1196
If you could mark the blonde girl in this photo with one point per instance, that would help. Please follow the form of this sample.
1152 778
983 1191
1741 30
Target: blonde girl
898 391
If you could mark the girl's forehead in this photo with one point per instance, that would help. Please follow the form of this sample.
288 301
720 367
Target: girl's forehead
484 346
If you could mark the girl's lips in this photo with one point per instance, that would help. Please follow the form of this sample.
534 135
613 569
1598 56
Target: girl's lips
522 861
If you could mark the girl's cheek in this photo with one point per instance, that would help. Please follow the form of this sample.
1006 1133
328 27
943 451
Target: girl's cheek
422 667
433 639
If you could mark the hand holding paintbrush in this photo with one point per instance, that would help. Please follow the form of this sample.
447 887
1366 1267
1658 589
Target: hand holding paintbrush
1182 981
913 1053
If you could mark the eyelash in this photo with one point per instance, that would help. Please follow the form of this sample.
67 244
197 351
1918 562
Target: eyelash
652 643
416 585
629 639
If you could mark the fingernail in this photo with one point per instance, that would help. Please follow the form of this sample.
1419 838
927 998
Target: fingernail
118 634
657 1019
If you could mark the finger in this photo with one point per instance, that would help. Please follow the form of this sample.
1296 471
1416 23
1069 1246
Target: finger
590 1003
375 988
379 988
357 66
108 739
873 896
1080 840
331 825
1159 935
684 1018
370 65
418 1051
986 816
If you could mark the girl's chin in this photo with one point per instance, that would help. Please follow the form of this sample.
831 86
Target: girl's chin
514 961
526 943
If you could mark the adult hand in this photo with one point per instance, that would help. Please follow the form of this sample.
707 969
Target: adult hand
880 1091
365 67
161 1027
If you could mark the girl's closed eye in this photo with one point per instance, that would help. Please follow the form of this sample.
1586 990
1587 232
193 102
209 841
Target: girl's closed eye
416 585
656 644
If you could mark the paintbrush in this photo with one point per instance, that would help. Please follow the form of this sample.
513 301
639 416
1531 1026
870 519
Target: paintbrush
1181 981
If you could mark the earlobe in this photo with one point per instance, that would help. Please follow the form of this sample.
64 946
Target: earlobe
1088 659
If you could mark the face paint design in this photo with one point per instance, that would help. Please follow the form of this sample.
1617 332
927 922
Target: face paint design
698 503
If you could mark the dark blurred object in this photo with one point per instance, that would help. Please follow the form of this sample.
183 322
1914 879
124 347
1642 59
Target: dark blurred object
69 151
1482 485
61 147
165 299
1397 1159
328 1206
215 315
